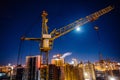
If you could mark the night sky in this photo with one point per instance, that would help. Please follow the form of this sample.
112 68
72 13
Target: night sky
23 17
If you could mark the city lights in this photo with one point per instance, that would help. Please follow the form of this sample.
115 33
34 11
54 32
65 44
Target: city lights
118 63
86 74
112 78
72 62
9 64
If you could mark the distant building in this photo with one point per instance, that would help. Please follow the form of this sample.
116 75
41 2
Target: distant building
7 71
57 60
73 72
89 71
106 69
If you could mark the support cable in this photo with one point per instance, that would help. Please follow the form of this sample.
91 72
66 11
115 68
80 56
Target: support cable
99 42
19 52
32 25
19 57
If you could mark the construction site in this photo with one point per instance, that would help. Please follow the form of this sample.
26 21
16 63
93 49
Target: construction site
41 67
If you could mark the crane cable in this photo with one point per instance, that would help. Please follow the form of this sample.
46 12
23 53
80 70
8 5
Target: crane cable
99 42
19 57
32 25
19 51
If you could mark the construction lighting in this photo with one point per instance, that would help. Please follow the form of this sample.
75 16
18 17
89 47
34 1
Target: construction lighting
86 74
12 67
9 64
72 62
111 78
0 74
119 64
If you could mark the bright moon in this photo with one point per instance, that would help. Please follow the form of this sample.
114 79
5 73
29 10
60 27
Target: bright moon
78 28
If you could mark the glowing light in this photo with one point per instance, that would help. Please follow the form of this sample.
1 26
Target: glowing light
78 28
72 62
106 66
118 63
9 64
112 78
86 74
57 59
12 67
0 74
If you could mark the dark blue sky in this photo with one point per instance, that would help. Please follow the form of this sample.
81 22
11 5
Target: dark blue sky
18 17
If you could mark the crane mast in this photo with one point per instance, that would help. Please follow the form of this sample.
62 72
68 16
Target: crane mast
46 40
44 23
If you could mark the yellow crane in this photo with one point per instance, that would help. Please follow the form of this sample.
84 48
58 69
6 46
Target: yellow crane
47 39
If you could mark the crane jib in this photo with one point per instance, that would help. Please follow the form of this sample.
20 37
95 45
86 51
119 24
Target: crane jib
92 17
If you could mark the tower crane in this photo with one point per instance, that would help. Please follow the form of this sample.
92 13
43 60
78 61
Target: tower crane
47 39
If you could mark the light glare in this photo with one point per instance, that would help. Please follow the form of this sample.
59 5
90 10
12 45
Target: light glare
78 28
112 78
85 74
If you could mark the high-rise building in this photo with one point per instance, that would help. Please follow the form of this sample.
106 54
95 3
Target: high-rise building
54 72
62 73
32 67
80 68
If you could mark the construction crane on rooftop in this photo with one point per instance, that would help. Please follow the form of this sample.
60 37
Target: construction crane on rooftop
46 40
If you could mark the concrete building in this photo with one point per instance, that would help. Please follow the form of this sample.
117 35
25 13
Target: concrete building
32 67
62 73
73 72
57 60
54 72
